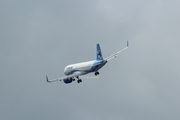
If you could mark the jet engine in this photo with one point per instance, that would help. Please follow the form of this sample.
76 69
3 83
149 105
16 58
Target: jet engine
68 80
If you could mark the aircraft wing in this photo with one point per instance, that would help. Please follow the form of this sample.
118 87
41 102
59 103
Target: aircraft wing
117 53
75 74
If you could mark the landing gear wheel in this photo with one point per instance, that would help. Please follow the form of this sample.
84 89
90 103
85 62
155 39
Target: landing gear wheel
79 81
96 73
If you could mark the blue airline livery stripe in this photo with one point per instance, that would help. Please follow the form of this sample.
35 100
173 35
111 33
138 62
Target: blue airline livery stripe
98 53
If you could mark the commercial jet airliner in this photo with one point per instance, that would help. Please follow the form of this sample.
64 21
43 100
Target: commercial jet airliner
75 70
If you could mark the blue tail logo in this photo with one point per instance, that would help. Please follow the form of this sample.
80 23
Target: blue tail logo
98 53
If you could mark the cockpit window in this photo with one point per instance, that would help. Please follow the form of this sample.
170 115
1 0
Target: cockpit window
69 68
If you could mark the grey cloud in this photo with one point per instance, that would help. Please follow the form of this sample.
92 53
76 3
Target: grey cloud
40 38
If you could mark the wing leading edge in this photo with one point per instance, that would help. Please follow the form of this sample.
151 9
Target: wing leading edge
76 74
117 53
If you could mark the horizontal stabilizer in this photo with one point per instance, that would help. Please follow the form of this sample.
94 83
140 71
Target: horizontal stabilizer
91 77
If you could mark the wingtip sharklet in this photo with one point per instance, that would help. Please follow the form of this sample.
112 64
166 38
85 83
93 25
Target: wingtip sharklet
47 79
127 44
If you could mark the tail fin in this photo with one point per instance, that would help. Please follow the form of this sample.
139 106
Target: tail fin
98 53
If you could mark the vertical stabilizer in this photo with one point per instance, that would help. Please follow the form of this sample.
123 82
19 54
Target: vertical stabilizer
98 53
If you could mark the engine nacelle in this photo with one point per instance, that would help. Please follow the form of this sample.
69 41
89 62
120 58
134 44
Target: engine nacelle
67 80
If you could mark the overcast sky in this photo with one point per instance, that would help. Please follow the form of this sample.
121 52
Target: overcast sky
39 38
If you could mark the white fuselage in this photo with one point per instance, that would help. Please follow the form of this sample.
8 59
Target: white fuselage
84 67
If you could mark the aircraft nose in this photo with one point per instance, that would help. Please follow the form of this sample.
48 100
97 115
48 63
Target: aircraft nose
65 70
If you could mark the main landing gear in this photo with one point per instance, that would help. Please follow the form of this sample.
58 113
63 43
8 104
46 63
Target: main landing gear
79 80
96 73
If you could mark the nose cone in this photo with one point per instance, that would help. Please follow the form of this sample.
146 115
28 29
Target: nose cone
65 71
68 69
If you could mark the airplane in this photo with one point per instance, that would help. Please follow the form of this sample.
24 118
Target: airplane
75 70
